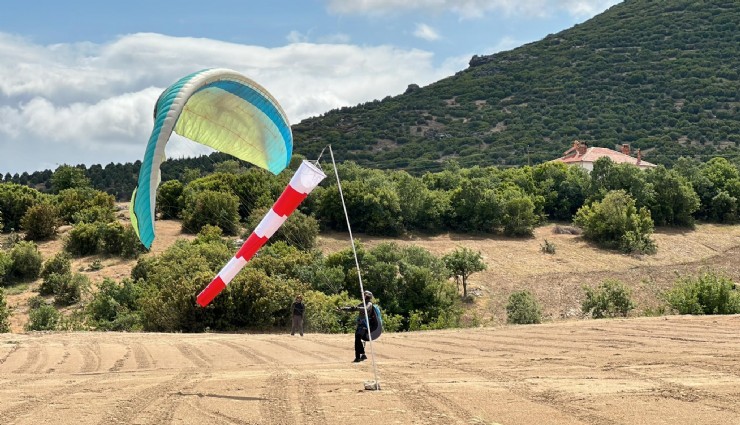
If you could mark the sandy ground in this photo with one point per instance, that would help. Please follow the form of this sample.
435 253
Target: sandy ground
663 370
660 370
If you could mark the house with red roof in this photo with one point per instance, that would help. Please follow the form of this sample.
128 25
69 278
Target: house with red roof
583 156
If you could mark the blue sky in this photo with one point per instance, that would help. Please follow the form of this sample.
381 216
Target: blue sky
78 79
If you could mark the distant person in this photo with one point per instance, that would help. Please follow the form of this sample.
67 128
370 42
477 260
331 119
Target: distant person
361 332
297 308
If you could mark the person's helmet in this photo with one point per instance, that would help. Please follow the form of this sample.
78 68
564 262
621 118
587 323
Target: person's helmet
368 294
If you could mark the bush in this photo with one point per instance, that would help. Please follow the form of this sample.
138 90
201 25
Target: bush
26 260
391 322
36 302
40 222
321 315
44 318
548 247
4 313
95 265
519 217
616 223
60 264
114 306
611 299
523 309
52 282
111 238
83 239
15 200
131 246
172 281
6 267
70 290
85 205
211 207
169 201
709 293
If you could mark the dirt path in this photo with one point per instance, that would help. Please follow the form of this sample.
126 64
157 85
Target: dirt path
664 370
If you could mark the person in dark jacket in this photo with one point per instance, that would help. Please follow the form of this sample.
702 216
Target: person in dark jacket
297 308
361 332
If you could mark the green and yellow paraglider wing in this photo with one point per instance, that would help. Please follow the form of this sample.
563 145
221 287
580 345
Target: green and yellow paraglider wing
219 108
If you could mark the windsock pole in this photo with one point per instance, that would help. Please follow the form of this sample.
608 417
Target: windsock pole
305 179
375 385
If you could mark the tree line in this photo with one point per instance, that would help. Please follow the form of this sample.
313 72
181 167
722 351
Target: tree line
616 206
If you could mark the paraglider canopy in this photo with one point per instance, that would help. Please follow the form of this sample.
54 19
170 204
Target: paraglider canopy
219 108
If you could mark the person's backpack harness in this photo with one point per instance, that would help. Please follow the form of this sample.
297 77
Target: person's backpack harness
376 326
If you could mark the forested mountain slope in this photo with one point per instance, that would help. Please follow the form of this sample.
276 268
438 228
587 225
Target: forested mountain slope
662 76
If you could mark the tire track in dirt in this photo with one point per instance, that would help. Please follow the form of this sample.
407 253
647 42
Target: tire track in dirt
317 356
128 410
274 400
349 348
554 399
164 396
32 356
420 347
9 353
249 354
680 392
216 417
90 358
60 362
118 364
274 407
142 357
38 402
311 407
426 403
194 355
513 344
43 361
170 401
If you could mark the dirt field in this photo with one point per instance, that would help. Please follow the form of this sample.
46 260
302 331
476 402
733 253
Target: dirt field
664 370
642 370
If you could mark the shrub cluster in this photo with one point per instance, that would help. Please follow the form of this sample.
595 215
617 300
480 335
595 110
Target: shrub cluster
523 309
107 238
160 296
615 222
4 313
610 299
709 293
25 261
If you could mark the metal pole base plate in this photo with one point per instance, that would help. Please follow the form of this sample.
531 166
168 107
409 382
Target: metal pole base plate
372 385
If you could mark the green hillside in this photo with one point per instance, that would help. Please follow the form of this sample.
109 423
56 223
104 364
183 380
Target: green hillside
660 75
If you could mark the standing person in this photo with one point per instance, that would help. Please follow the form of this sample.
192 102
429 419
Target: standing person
297 308
361 333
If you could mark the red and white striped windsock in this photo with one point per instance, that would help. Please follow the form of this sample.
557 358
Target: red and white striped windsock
303 182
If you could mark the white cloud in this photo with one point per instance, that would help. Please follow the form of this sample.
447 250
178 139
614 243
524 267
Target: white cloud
92 103
299 37
426 32
472 8
296 37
